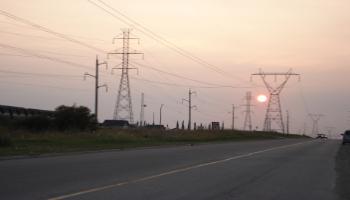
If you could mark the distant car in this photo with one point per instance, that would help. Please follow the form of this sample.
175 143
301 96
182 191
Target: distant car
321 136
346 137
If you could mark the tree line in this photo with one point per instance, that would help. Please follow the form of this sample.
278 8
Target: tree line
63 118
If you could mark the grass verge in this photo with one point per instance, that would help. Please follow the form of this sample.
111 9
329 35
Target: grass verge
29 143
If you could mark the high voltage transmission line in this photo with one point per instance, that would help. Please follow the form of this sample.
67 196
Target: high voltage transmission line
183 77
184 53
44 85
136 25
28 52
48 52
42 28
37 74
76 36
78 76
32 36
68 38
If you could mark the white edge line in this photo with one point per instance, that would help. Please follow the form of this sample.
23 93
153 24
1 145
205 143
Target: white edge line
171 172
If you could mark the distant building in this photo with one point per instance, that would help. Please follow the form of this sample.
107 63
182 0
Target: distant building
215 126
116 123
151 126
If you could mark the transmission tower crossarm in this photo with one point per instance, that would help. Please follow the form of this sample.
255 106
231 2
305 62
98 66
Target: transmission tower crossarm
274 74
125 53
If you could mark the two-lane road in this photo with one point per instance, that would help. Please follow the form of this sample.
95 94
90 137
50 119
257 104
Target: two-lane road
269 169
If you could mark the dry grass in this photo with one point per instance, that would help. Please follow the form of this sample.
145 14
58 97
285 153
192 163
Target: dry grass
29 143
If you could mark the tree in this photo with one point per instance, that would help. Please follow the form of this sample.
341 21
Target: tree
73 117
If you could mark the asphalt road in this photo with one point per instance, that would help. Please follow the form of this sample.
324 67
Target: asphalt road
270 169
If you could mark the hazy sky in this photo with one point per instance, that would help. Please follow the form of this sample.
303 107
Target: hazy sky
238 36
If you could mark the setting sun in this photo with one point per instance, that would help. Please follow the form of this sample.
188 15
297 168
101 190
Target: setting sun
262 98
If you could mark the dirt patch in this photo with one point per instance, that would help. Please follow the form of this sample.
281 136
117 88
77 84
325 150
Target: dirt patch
343 172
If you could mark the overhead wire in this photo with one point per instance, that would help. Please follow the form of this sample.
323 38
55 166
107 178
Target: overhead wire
42 85
183 77
76 36
27 35
28 52
180 85
42 28
134 24
47 30
37 74
19 55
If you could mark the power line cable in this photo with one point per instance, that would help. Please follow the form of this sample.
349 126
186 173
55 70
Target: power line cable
158 38
182 85
49 52
32 36
27 52
183 77
19 55
42 85
38 74
42 28
76 36
64 37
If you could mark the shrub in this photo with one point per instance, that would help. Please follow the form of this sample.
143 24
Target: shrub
35 123
73 117
5 140
5 121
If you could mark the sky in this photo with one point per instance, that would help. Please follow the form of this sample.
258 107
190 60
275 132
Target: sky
237 37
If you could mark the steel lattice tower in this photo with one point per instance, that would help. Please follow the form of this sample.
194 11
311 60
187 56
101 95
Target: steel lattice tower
315 119
248 118
123 106
273 117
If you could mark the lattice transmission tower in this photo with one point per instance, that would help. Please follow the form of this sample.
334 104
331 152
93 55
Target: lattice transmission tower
248 111
123 107
273 117
315 119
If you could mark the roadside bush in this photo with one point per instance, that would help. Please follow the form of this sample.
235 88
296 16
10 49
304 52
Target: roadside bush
73 117
35 123
64 118
5 141
5 121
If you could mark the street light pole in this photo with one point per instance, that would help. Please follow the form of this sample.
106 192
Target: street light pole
160 114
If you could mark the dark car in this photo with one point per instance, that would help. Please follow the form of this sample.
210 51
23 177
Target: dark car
346 137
